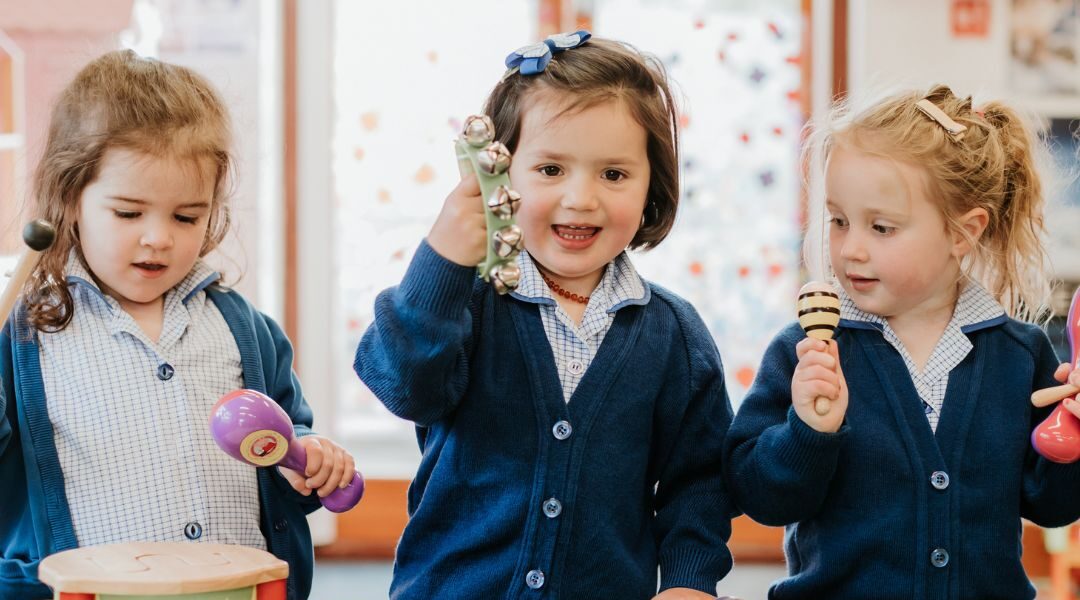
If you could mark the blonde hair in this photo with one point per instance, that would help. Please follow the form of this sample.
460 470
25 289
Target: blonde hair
120 100
994 165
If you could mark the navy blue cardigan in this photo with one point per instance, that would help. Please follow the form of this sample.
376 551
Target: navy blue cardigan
885 509
34 517
632 463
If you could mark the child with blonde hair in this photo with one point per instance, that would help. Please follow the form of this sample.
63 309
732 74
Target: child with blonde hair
125 340
914 482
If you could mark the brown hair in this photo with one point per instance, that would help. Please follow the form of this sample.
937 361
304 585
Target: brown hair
120 100
600 71
995 165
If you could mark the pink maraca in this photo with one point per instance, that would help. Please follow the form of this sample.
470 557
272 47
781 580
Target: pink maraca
251 427
1058 437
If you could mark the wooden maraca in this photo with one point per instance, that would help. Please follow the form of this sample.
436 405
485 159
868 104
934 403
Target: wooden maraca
38 235
1058 437
819 314
251 427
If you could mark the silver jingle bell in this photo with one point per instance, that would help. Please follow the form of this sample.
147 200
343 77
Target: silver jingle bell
507 241
494 159
504 202
505 277
478 130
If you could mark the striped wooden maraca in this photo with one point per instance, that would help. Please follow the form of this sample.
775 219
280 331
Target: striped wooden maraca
819 314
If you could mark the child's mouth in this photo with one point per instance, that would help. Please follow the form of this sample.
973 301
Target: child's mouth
575 233
150 269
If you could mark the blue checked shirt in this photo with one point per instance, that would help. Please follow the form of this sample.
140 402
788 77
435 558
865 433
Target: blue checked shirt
573 345
130 415
974 305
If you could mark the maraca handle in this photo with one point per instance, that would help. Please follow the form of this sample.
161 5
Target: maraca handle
821 406
1048 396
341 499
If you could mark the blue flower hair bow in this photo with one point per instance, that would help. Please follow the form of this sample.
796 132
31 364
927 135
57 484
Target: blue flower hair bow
534 58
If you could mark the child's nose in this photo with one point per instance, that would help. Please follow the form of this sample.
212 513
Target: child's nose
580 194
853 248
158 237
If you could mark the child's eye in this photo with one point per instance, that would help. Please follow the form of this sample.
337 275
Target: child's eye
126 214
186 219
838 222
551 170
883 229
614 175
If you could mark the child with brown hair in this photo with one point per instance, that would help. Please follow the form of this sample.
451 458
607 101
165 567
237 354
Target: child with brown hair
571 430
125 341
914 481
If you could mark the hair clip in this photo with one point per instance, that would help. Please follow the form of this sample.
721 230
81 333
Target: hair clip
534 58
954 129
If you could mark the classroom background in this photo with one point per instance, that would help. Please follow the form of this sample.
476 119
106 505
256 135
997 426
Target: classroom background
344 112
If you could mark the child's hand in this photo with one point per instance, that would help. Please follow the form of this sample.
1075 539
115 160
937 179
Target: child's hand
818 374
683 594
460 233
1067 374
329 467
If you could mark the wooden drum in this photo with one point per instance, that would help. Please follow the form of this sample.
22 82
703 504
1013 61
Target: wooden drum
178 571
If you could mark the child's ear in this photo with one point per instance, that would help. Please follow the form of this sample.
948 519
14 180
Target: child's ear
972 224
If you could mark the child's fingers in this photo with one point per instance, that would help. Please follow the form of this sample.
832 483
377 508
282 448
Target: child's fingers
809 344
819 373
1063 372
296 480
350 468
337 472
314 455
818 389
468 186
1072 406
815 358
318 480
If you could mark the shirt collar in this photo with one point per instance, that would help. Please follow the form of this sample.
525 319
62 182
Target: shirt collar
975 309
199 278
620 285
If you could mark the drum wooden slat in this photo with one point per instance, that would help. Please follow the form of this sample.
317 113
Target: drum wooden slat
159 568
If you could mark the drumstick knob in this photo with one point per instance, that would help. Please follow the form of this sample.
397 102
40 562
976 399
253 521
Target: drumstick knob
38 235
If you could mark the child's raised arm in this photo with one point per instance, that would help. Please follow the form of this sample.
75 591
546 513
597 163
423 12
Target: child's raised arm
778 467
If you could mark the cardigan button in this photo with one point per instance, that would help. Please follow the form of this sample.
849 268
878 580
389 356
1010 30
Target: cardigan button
193 531
939 557
939 479
562 430
281 525
165 371
534 579
552 508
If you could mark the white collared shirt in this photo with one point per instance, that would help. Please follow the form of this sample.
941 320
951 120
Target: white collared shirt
975 305
573 345
130 419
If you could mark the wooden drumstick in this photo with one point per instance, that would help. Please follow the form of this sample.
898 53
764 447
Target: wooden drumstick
819 314
1048 396
38 236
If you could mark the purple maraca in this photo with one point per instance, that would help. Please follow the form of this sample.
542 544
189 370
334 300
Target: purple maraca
251 427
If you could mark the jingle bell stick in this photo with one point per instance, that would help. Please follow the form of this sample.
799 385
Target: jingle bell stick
478 152
819 314
38 235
